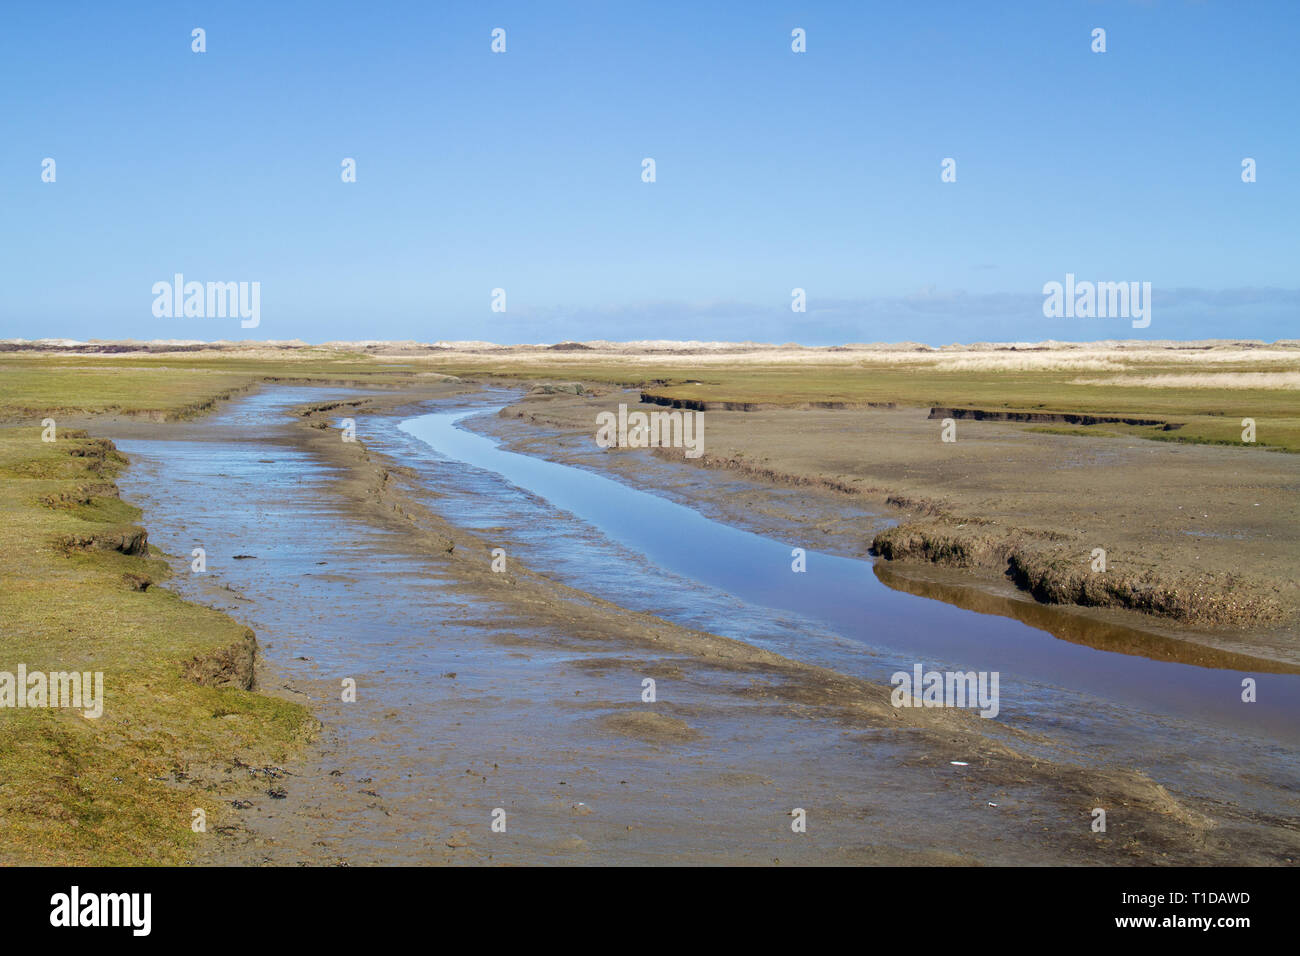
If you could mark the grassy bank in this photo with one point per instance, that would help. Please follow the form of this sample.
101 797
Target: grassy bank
168 387
82 592
1199 397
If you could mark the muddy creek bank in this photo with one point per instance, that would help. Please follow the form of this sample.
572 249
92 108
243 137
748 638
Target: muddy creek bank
479 692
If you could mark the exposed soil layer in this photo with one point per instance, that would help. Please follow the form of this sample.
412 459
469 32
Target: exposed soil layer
700 405
1042 418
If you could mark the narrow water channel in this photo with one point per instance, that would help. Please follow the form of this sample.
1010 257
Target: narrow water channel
843 594
318 590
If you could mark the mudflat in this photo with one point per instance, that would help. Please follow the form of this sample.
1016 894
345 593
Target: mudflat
483 691
591 774
1200 542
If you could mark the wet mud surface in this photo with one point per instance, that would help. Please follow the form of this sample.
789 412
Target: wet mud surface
479 692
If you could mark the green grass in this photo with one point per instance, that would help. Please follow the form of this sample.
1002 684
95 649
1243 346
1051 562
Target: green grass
170 387
75 790
1206 416
180 386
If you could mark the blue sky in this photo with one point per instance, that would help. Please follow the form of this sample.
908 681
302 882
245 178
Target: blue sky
775 170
